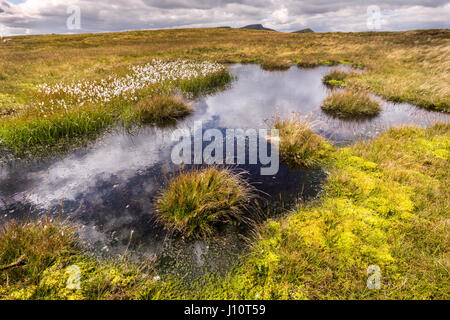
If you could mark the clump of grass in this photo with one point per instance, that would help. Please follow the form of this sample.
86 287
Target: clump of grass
38 257
40 243
161 109
276 65
299 145
195 201
351 104
335 78
205 84
307 63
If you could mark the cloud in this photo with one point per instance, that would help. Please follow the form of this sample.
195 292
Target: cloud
50 16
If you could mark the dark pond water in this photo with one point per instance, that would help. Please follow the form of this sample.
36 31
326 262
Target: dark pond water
108 188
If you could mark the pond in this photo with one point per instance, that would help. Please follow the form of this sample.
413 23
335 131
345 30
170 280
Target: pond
107 189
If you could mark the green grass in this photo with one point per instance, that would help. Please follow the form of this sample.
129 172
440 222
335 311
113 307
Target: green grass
195 201
160 109
299 146
350 104
207 84
21 134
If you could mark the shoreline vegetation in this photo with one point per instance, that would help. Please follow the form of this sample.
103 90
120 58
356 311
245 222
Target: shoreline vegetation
65 111
409 66
320 250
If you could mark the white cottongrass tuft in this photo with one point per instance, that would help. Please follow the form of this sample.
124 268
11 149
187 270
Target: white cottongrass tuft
140 77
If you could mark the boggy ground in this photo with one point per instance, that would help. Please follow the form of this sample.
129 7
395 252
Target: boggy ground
409 66
385 204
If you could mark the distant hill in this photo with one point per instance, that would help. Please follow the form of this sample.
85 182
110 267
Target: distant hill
257 27
224 27
307 30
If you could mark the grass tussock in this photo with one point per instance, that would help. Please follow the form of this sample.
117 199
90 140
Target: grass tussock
195 201
276 65
335 78
299 146
49 254
206 84
161 108
351 104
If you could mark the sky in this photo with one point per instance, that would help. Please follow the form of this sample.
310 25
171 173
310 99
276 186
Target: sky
81 16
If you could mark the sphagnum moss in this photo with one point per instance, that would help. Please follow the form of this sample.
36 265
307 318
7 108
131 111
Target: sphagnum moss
385 204
195 201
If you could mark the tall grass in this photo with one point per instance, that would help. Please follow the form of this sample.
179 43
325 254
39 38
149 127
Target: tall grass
351 104
47 250
41 243
195 201
299 146
161 109
19 135
205 84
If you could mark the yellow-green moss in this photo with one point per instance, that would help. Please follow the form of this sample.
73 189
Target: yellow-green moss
385 203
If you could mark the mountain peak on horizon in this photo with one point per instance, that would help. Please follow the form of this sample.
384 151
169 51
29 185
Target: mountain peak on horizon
257 27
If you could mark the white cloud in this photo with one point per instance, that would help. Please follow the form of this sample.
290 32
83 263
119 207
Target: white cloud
49 16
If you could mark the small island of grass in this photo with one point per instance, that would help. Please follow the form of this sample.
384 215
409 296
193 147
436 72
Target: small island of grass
351 104
299 145
161 109
335 78
195 201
